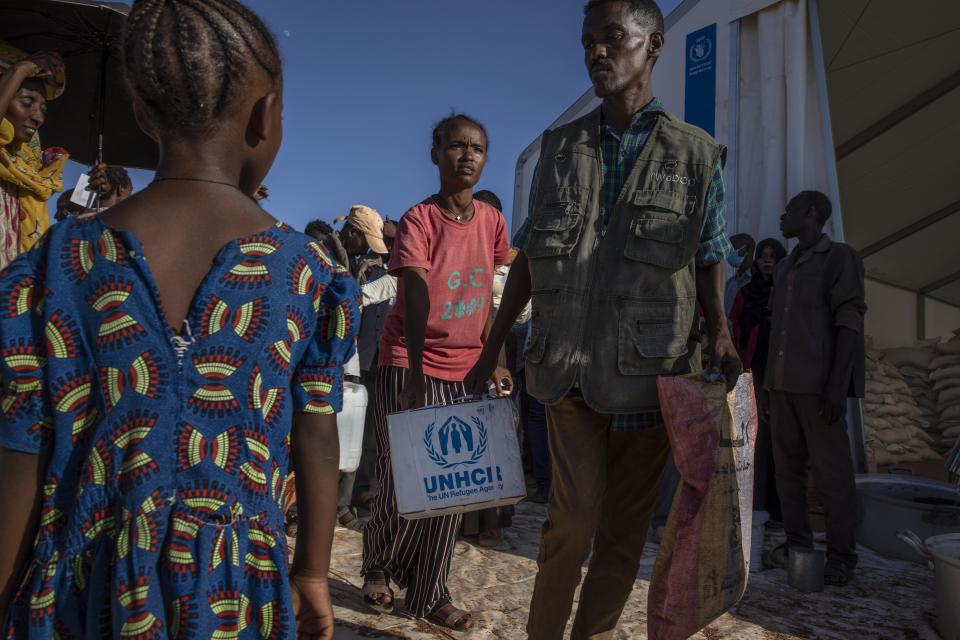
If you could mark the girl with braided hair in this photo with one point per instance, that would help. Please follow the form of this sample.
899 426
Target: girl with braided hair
165 364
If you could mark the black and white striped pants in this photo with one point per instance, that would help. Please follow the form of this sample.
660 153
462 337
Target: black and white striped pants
415 553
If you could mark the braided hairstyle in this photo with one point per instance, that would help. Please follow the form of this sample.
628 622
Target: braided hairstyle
118 178
187 61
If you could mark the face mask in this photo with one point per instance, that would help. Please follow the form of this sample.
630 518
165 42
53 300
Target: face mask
735 259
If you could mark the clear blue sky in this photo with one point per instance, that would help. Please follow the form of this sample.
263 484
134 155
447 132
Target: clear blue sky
366 80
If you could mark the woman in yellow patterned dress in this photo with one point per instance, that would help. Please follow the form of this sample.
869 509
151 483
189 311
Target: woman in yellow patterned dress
29 176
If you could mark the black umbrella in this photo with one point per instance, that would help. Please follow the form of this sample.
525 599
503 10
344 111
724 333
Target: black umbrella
93 119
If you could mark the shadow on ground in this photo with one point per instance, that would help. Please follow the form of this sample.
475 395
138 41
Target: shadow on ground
889 599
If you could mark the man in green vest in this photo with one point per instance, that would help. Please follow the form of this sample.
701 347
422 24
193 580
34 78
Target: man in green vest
626 234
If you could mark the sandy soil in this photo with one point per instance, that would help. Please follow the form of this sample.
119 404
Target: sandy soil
889 599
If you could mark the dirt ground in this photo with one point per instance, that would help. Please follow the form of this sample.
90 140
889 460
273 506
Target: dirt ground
889 599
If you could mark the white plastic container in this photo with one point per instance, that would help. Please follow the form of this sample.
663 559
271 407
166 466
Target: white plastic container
350 425
456 458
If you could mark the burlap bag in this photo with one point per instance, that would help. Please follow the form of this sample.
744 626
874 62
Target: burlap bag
919 357
703 562
951 347
944 361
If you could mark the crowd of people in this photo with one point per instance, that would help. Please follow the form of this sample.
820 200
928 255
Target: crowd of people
187 314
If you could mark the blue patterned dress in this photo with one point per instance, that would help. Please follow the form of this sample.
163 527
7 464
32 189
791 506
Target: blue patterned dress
166 455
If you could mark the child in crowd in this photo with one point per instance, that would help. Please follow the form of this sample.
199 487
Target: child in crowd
165 363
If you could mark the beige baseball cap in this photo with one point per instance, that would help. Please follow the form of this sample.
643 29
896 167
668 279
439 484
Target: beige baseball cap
370 224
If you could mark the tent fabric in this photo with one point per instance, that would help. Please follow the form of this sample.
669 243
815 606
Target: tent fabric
741 8
781 142
527 163
893 77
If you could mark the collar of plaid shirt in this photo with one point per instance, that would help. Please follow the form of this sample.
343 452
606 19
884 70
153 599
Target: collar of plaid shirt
621 150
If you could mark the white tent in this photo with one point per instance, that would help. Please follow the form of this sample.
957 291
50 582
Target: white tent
856 98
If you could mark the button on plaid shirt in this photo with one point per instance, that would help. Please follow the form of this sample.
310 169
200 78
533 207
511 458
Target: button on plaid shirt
620 153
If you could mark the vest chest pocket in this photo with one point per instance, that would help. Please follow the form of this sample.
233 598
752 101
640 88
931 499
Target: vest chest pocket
556 229
660 230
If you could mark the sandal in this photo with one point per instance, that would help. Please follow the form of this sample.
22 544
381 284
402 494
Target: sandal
447 615
348 519
490 539
377 593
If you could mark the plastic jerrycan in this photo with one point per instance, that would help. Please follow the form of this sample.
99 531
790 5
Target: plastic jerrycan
350 425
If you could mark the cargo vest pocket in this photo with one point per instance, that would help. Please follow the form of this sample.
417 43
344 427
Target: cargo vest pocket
555 230
537 345
660 231
651 340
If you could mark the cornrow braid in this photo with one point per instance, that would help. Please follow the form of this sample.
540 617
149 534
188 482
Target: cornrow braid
223 39
269 64
184 34
188 61
152 21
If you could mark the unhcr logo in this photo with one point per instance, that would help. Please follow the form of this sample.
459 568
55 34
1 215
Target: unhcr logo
460 443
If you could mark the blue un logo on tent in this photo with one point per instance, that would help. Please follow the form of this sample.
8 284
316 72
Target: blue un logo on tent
456 443
701 49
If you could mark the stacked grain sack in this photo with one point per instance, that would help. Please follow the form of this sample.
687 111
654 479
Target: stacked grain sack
914 364
945 376
892 419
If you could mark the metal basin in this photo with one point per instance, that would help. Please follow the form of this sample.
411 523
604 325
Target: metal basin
943 552
887 504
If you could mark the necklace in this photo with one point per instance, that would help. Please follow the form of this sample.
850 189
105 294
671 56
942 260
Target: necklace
455 216
226 184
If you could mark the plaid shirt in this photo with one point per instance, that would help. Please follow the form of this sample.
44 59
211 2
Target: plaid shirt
620 153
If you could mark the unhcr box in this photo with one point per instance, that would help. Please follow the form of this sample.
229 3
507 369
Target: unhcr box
456 458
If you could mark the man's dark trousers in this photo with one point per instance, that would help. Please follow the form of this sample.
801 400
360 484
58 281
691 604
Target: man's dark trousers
800 437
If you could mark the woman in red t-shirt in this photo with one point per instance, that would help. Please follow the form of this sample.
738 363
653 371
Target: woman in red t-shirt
445 253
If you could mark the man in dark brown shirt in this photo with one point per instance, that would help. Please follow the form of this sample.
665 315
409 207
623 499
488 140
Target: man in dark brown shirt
816 363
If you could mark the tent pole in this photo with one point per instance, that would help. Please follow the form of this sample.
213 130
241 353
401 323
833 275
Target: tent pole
942 282
101 107
733 130
921 317
910 229
925 291
891 120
